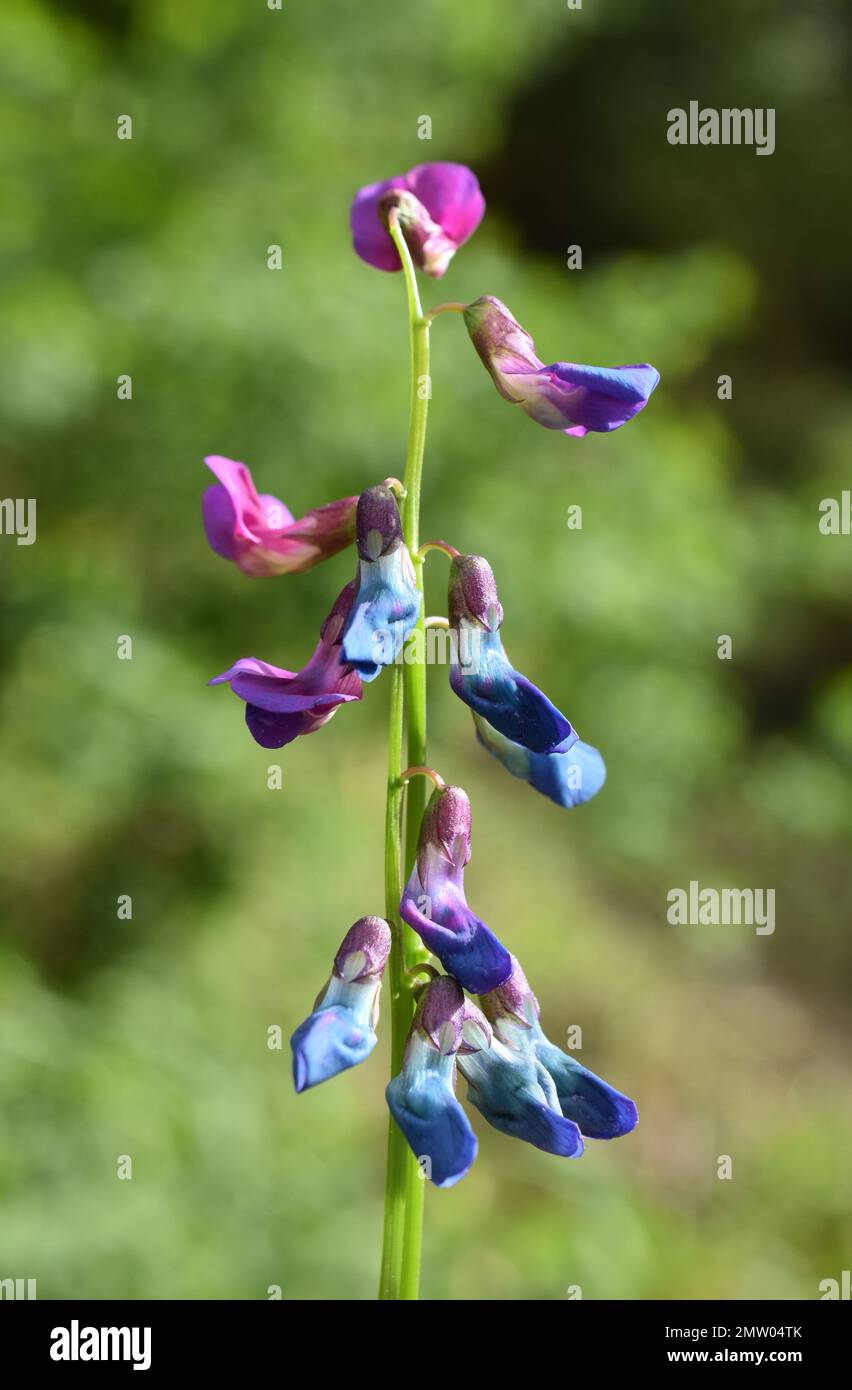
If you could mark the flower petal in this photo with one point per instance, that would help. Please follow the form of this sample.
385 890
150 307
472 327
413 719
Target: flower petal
434 1124
329 1042
600 1111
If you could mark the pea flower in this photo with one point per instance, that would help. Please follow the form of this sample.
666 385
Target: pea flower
280 704
388 602
439 206
257 531
569 778
480 671
563 396
434 902
513 1090
598 1110
341 1031
422 1097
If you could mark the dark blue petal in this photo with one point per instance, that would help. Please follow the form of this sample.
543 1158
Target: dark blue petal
465 946
434 1124
508 701
330 1041
600 1111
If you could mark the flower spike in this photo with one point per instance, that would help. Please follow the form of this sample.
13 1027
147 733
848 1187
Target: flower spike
341 1031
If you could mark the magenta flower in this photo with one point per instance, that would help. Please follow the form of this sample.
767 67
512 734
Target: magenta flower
281 705
257 531
564 396
439 206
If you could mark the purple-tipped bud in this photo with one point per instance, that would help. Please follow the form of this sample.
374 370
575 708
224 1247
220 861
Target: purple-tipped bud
472 593
364 950
445 827
440 1014
378 523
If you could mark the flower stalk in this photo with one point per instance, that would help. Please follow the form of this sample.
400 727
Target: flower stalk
405 1187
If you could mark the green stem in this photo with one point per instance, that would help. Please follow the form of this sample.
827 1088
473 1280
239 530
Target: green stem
405 1186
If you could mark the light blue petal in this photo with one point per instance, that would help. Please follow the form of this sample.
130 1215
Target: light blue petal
433 1122
516 1095
330 1041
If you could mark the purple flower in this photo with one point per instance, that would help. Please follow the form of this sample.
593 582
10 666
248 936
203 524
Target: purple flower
434 902
564 396
388 601
257 531
439 206
422 1097
568 778
341 1031
280 705
599 1111
480 671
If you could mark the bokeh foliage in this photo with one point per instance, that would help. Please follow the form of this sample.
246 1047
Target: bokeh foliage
148 257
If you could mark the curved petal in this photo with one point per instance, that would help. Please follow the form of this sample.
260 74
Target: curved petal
370 236
451 195
514 1093
434 1124
600 1111
584 398
570 779
465 946
329 1042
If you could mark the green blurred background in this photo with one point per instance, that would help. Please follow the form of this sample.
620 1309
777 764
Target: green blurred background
148 1037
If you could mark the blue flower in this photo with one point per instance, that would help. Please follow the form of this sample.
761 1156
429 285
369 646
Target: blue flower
387 604
340 1032
569 778
598 1109
434 901
481 673
514 1091
422 1097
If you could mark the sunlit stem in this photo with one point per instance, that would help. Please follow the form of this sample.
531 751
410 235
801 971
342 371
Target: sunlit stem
404 1189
